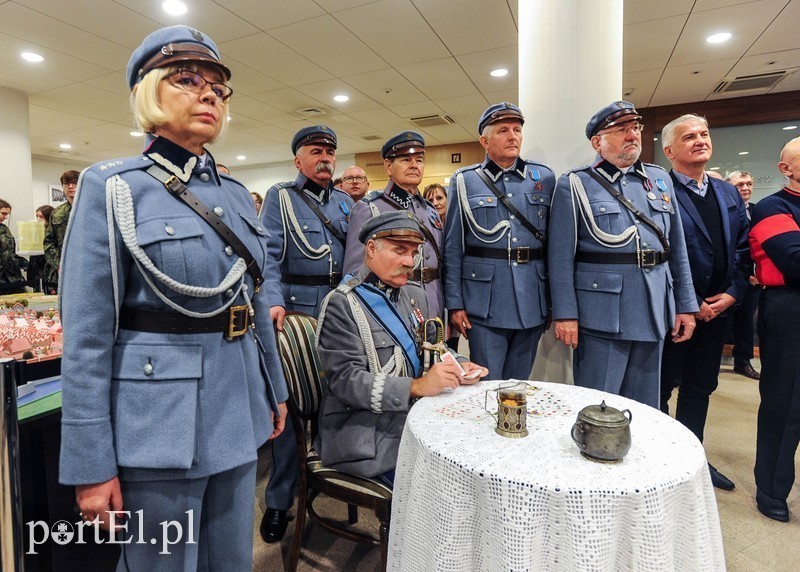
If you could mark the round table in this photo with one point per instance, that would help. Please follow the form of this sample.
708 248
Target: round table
467 498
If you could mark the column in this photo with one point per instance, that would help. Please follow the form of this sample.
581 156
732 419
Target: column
570 66
15 150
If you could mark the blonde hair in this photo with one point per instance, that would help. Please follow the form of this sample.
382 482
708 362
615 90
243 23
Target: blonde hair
146 107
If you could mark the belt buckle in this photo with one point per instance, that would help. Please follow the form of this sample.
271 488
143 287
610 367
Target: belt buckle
646 258
238 318
333 280
423 275
527 257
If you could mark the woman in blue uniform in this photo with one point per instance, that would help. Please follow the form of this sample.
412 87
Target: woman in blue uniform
171 378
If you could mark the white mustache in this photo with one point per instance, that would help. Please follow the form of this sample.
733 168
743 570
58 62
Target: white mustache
324 166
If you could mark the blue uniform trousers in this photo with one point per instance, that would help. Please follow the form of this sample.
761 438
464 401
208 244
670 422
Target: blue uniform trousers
507 353
693 366
779 413
283 474
222 508
624 367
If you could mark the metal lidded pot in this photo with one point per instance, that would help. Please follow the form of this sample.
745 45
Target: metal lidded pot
603 433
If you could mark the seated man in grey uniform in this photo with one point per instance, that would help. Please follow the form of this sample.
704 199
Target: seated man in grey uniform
619 272
369 337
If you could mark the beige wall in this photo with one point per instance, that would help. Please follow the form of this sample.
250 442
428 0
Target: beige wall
438 163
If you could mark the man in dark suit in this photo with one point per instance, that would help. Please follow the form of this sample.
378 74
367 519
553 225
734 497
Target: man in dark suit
715 226
743 316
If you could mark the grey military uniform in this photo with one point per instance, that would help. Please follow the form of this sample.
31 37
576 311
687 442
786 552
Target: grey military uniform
623 310
396 198
364 409
496 267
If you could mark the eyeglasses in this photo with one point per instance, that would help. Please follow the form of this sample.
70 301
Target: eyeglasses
356 179
195 83
634 128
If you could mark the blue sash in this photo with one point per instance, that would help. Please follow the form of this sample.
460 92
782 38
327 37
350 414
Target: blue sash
385 313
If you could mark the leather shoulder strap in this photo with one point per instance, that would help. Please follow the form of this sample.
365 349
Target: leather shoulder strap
631 207
511 208
320 215
181 192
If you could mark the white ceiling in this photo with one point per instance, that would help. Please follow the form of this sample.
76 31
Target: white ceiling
396 59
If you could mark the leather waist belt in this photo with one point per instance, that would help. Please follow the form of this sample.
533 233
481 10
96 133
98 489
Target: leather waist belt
642 258
427 275
331 280
232 323
520 254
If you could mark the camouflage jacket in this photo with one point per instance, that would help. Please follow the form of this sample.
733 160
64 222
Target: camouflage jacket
53 241
9 262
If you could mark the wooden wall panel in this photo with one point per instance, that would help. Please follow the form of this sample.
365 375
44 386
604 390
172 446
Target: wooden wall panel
438 163
731 112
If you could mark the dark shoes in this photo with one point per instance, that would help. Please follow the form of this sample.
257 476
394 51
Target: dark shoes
747 370
273 525
775 509
719 480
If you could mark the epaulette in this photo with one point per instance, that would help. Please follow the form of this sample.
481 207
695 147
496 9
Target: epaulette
372 195
283 185
654 165
538 163
340 191
117 166
583 168
348 285
474 167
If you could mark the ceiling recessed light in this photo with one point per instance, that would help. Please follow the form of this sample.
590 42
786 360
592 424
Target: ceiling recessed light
447 180
744 152
174 7
500 72
65 146
714 169
31 57
340 98
241 157
790 127
136 134
719 38
655 138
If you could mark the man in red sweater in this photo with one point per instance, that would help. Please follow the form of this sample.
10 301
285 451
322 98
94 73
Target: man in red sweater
775 246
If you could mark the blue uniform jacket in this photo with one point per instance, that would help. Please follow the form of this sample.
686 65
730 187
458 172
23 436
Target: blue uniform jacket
159 406
301 244
395 198
619 301
495 292
735 229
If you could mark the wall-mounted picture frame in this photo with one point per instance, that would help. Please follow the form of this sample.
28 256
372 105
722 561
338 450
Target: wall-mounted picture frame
57 194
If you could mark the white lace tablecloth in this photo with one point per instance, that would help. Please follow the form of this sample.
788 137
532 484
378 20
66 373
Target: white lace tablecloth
466 498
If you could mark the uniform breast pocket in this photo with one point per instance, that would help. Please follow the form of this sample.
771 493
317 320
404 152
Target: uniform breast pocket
177 247
256 242
484 209
308 233
154 404
608 216
538 207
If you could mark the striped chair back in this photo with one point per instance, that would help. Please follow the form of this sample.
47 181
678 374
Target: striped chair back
297 346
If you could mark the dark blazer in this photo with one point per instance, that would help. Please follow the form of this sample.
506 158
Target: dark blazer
735 228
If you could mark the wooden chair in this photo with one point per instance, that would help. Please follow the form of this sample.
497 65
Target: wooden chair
305 378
